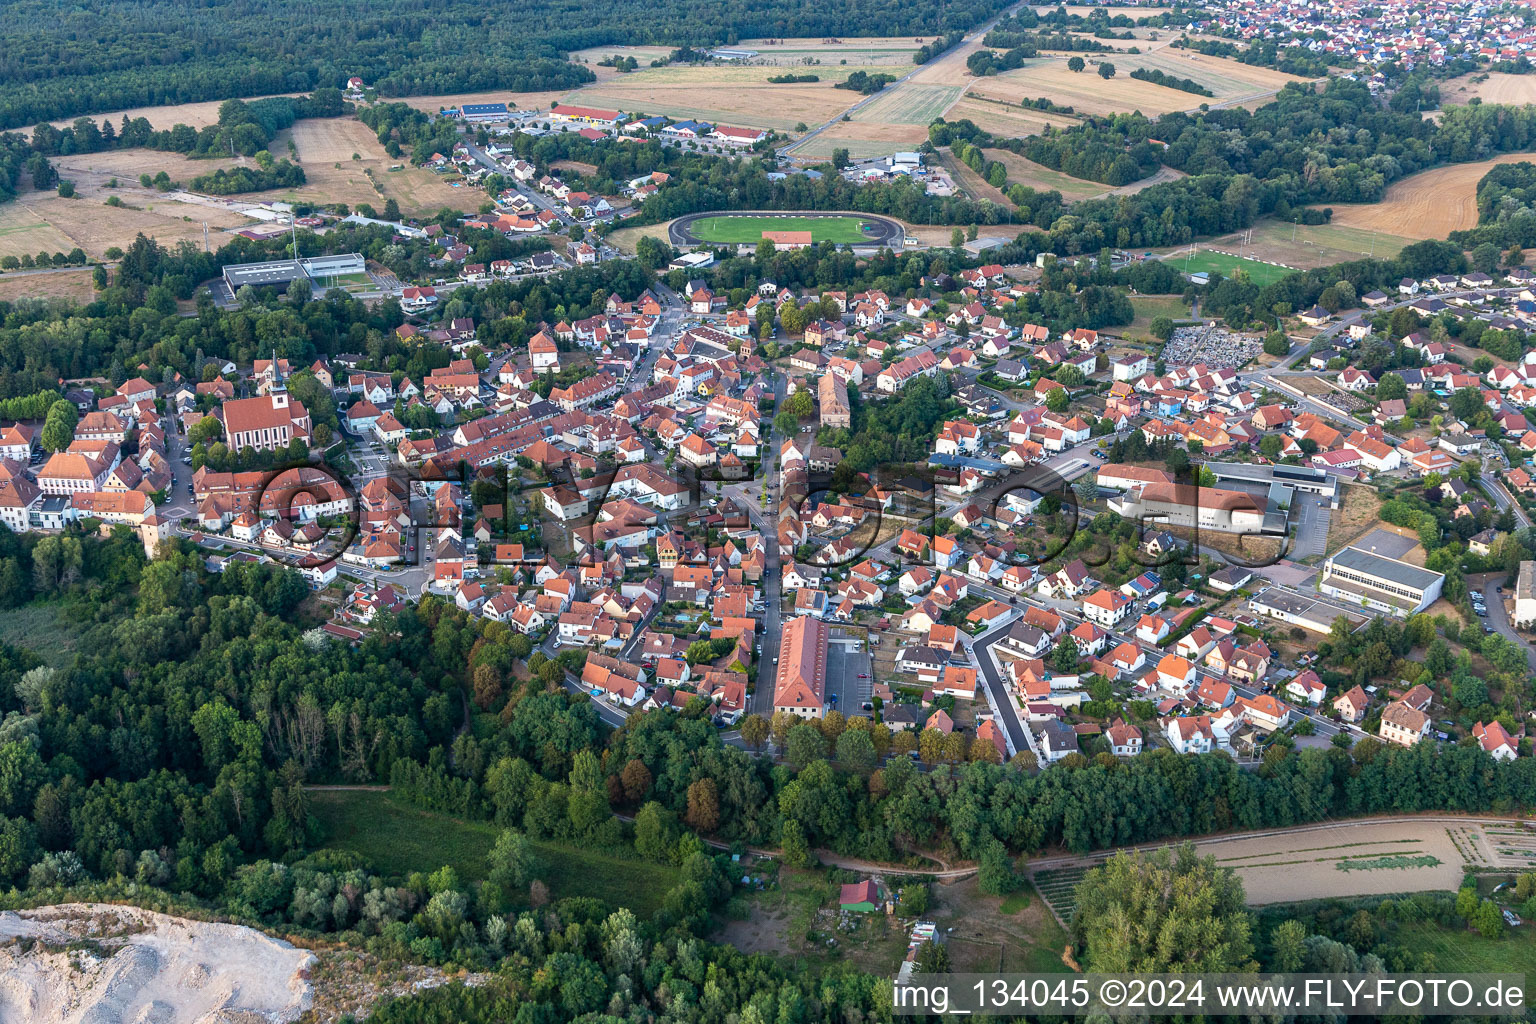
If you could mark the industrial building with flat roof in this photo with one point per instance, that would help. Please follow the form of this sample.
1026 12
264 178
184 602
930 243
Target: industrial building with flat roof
1379 582
477 112
281 273
1306 611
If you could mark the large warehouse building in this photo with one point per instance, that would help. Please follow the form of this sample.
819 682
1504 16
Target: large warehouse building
1379 582
281 273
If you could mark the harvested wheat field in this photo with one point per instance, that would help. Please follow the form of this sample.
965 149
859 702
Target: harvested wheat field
1430 204
325 148
1495 87
1005 120
24 231
75 285
862 139
1341 859
92 171
1087 93
42 221
1084 91
196 115
733 95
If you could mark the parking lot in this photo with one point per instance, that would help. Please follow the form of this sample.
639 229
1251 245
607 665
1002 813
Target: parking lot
848 675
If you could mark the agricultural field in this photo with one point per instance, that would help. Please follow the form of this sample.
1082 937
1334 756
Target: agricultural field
40 221
75 285
643 54
1006 119
1365 858
1130 12
1490 87
862 140
1305 246
1042 178
94 170
1359 858
1430 204
24 231
843 230
973 184
909 103
326 147
195 115
396 839
889 52
1219 262
733 95
1087 93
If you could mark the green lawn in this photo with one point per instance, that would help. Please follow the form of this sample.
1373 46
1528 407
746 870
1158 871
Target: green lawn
396 838
40 629
750 229
1459 950
1150 307
1212 262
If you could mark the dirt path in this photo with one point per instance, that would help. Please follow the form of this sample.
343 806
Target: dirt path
1164 174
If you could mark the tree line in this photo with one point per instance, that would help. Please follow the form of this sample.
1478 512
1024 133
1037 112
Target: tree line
1159 77
64 62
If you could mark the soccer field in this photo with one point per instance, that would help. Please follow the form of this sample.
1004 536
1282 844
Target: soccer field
1259 273
849 230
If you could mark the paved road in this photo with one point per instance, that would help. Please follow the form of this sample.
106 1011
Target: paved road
1498 616
850 111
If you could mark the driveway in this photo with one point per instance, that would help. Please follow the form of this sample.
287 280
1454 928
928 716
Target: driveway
1312 519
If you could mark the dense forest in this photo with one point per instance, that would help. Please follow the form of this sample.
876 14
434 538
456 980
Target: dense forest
60 60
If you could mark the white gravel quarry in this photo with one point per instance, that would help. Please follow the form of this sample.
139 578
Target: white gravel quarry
104 964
